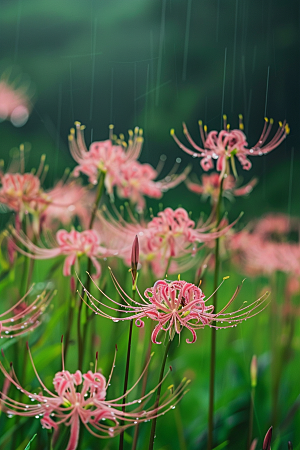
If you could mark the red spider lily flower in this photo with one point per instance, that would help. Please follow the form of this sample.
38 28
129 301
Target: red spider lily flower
226 144
14 103
210 187
81 398
73 245
24 316
175 305
268 246
172 234
118 161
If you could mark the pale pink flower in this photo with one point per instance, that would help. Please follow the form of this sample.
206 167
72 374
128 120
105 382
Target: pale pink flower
22 193
226 144
81 398
210 187
68 200
105 156
171 235
175 305
137 180
73 245
14 104
24 316
265 246
119 163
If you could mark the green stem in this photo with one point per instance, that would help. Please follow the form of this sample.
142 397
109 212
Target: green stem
89 267
213 331
152 433
144 385
121 444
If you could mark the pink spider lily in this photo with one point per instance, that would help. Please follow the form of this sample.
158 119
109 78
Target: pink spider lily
210 187
73 245
104 156
168 236
68 200
136 180
175 305
266 247
118 161
81 398
226 144
24 316
14 103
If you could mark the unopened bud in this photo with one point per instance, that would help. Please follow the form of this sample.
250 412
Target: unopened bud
267 439
253 444
253 371
72 285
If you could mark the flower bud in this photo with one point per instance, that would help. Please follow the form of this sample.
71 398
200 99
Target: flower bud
134 259
267 439
253 371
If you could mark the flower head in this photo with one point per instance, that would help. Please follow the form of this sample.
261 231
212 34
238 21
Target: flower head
166 241
226 144
268 245
73 245
118 161
24 316
175 305
210 186
81 398
14 102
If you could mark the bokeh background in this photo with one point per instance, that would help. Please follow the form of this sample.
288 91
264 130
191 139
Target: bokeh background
155 64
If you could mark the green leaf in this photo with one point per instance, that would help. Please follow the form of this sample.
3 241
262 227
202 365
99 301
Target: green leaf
28 445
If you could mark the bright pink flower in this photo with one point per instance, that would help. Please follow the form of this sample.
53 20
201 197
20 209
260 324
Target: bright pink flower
14 104
175 305
266 246
210 187
170 235
81 398
73 244
23 317
68 200
226 144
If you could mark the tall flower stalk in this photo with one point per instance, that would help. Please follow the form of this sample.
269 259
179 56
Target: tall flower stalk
213 331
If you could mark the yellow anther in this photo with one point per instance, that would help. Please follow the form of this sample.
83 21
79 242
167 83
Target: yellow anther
226 278
287 129
72 131
224 117
22 147
241 126
136 130
205 128
82 127
241 116
200 123
130 132
152 354
266 119
111 127
43 157
172 131
280 124
77 124
183 380
122 136
179 277
171 386
271 121
228 126
141 131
